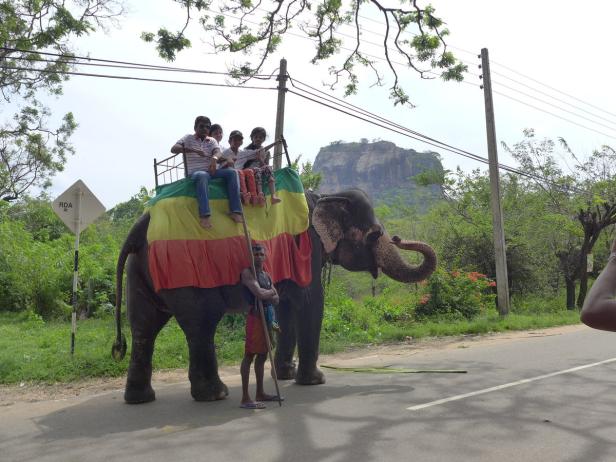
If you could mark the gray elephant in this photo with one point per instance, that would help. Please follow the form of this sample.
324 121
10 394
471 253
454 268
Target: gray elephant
343 230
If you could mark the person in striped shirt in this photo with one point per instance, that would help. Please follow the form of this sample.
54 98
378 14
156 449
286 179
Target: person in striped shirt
202 153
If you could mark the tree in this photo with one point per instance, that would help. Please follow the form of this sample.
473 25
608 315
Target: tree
410 33
31 152
132 209
310 179
586 197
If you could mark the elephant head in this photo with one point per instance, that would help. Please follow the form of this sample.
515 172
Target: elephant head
353 238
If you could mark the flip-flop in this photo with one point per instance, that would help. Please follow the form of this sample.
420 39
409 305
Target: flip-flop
272 398
253 405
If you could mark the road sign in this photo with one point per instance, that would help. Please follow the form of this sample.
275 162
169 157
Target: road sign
77 207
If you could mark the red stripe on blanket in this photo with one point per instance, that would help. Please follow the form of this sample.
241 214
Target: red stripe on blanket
208 264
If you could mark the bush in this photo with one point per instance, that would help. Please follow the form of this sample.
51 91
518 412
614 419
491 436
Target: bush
392 306
346 318
456 295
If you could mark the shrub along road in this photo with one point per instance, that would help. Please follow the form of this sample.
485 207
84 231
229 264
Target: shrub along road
544 395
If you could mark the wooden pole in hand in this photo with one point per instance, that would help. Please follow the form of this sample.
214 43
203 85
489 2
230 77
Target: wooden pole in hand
260 307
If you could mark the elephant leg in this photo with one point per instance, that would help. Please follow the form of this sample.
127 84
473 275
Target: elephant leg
283 359
198 312
308 325
146 323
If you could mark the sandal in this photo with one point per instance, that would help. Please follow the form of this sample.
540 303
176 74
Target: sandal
253 405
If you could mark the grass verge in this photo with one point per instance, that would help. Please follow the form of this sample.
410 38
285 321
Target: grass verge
35 351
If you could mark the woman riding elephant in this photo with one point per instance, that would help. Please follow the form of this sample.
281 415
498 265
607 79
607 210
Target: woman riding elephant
343 230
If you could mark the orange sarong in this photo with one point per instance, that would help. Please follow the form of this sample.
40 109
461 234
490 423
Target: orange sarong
255 337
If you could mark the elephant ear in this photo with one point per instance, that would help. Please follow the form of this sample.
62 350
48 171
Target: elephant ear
328 218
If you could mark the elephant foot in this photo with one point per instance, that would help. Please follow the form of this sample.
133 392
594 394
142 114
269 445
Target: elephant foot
286 371
208 390
139 395
314 376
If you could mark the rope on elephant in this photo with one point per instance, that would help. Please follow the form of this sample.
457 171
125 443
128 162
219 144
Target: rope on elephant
394 370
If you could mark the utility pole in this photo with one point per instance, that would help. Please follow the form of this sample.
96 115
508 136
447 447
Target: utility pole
502 283
282 91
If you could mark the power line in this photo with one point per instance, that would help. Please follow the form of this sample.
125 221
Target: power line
396 128
70 60
555 106
554 89
393 129
550 96
552 114
371 114
510 69
111 66
125 77
438 144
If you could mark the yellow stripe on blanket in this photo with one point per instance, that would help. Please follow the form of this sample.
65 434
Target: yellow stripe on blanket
177 218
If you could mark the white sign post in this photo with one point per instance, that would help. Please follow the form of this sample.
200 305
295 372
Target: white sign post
77 207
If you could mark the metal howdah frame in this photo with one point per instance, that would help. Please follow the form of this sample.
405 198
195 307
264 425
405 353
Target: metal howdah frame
171 169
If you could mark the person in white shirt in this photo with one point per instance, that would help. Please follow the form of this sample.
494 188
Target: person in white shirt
229 155
202 153
228 160
256 158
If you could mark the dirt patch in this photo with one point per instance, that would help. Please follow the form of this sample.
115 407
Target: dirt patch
368 355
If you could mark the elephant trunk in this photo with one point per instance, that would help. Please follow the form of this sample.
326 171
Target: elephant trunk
393 265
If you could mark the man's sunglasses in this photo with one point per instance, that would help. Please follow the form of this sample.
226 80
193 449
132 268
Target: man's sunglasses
204 126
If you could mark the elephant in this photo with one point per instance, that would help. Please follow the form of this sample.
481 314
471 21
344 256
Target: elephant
343 230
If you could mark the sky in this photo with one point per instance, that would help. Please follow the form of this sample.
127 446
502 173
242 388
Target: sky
124 125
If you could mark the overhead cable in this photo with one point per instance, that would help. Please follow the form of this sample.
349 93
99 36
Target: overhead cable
371 114
548 95
125 77
552 88
555 106
71 60
396 128
552 114
505 67
437 144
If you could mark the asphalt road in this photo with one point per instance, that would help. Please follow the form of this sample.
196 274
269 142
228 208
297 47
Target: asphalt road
541 397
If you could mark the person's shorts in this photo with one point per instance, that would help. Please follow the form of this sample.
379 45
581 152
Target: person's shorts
255 337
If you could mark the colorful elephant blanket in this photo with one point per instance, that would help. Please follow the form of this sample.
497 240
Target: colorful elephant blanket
183 254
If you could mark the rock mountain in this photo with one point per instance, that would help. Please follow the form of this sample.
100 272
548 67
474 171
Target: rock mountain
380 168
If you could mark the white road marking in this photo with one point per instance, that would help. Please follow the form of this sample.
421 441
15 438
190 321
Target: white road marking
506 385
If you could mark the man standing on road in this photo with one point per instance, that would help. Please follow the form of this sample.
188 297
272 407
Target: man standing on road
257 288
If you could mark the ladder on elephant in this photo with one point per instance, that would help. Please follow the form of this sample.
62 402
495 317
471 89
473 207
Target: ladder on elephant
171 169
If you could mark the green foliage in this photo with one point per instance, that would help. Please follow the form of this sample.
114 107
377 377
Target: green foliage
456 295
36 258
261 30
310 178
31 151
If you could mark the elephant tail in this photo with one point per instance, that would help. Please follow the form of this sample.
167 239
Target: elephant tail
135 239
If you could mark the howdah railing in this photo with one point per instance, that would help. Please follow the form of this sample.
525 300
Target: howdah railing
171 169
